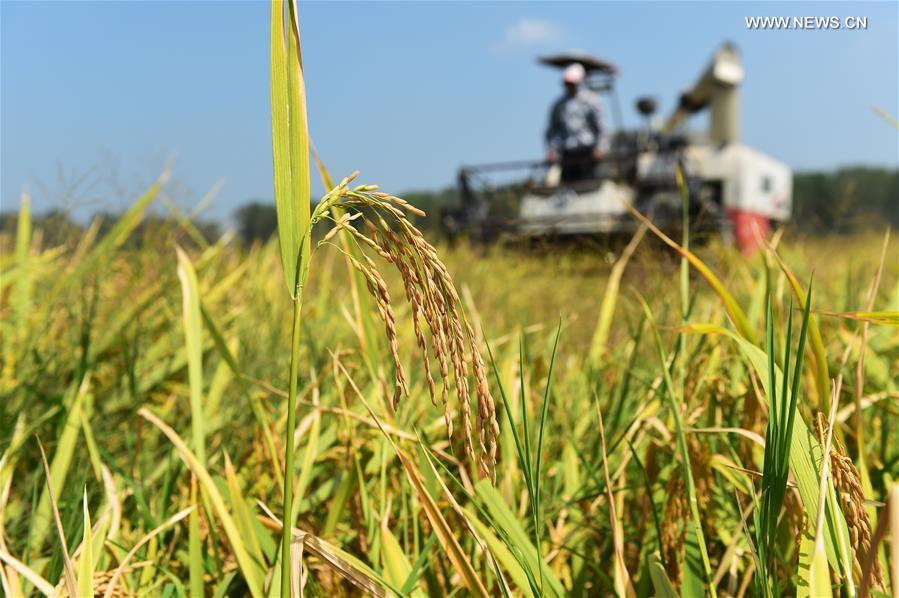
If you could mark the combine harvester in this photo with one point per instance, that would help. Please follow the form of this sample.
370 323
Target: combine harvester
733 189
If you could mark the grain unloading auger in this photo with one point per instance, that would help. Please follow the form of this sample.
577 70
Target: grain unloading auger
733 188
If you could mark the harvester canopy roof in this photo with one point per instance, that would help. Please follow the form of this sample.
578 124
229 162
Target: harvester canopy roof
588 61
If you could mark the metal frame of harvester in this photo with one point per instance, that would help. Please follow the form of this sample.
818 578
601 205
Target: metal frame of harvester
731 185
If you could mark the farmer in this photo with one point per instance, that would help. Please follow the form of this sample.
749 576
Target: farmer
577 133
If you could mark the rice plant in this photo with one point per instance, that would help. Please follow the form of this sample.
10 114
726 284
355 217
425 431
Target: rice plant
427 283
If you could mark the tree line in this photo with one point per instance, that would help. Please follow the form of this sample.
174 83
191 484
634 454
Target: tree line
842 201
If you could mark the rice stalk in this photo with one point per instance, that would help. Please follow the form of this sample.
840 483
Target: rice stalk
865 480
733 309
290 151
345 564
75 398
623 586
782 407
21 296
124 563
848 484
86 561
818 353
598 345
71 582
893 506
250 568
447 540
686 469
819 575
193 341
805 449
878 318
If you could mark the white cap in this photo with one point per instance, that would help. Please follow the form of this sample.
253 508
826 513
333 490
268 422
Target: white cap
574 73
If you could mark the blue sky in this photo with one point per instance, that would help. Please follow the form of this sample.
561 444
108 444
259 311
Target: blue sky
96 96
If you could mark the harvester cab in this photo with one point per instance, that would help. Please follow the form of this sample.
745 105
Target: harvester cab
733 188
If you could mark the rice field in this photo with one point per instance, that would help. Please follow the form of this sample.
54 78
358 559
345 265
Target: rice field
108 371
643 420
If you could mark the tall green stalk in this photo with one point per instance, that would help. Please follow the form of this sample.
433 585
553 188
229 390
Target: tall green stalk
288 452
290 159
684 272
